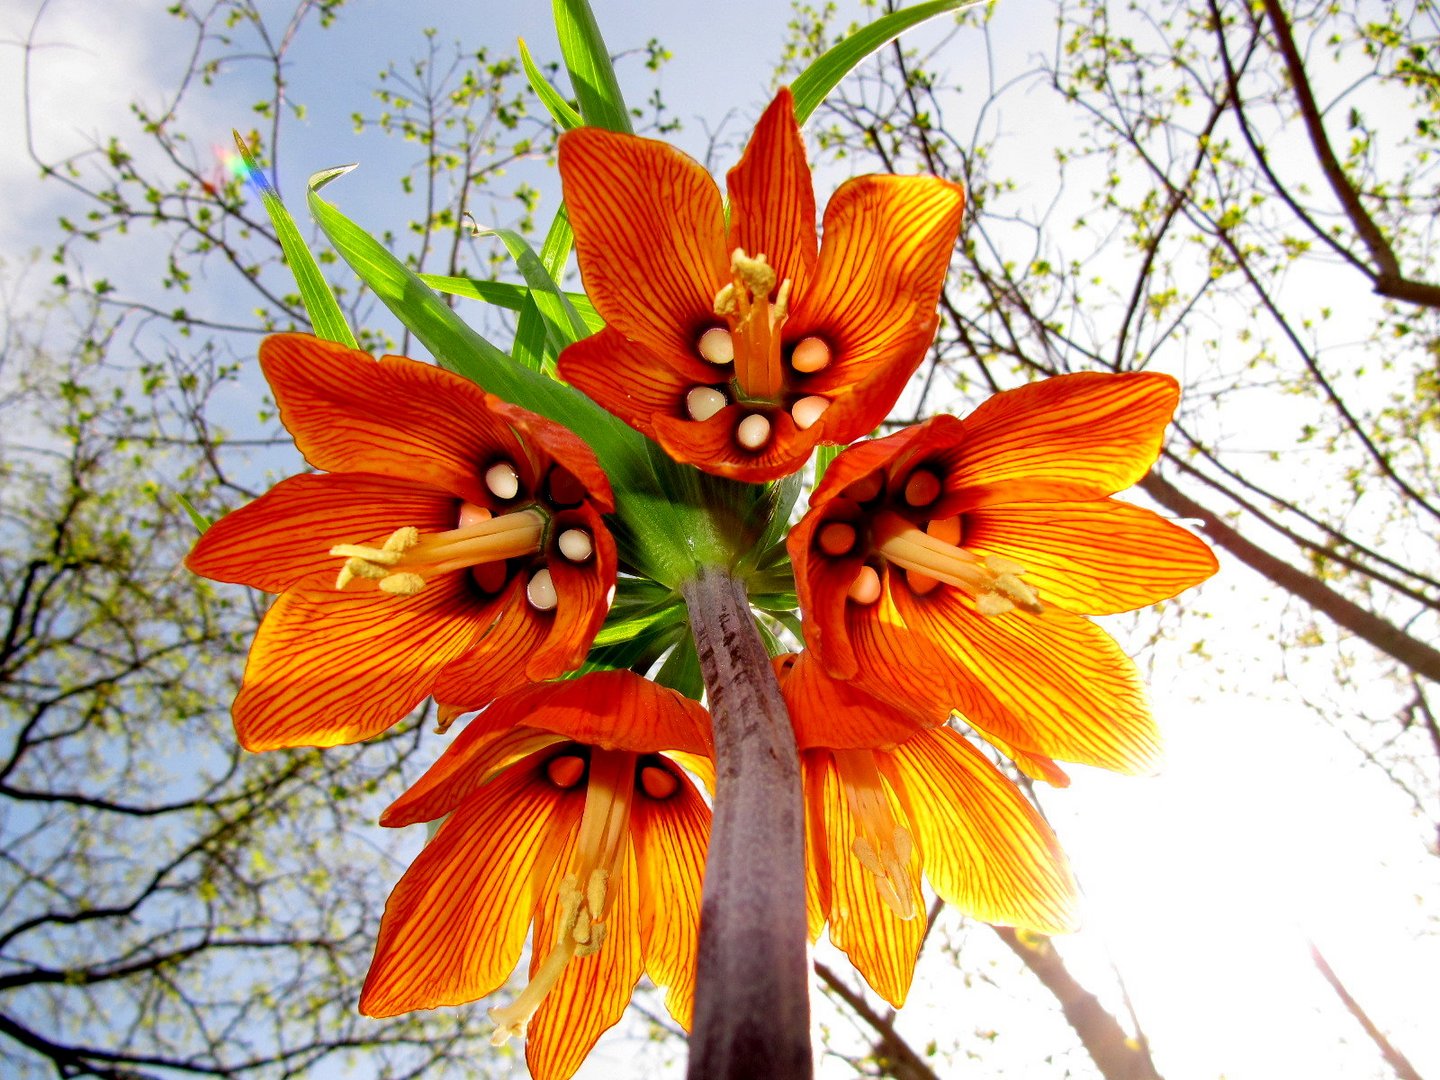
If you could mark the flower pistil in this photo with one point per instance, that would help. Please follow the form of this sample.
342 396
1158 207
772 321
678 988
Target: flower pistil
882 844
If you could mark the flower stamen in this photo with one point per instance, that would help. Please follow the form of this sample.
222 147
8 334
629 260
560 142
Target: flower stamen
402 565
755 323
585 891
993 581
882 844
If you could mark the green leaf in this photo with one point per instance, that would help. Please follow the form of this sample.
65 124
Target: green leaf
825 453
681 669
554 254
325 315
558 323
588 61
551 98
811 87
509 296
199 520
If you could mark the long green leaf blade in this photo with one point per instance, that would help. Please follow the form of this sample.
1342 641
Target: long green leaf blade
826 72
554 103
588 61
326 318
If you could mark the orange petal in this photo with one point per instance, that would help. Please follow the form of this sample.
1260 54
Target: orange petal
671 838
633 382
330 667
615 710
822 582
772 199
496 663
886 250
649 234
454 926
592 992
398 417
1079 436
711 444
815 767
986 850
882 946
557 443
833 713
581 590
470 761
1055 685
1094 558
1035 766
288 532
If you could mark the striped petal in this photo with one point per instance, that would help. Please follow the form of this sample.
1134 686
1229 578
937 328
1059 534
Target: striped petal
288 532
671 837
815 765
712 445
882 946
631 381
886 251
549 442
497 661
395 416
455 925
1080 436
615 710
581 591
986 850
772 199
649 234
593 991
468 763
836 714
1054 685
330 667
1093 558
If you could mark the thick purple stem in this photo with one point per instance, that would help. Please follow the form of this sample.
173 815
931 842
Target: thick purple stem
752 1004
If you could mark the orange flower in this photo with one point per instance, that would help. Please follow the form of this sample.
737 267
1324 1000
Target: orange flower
875 819
950 566
740 348
454 546
577 823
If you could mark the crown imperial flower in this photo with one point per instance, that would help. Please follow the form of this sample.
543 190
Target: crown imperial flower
740 348
568 808
454 545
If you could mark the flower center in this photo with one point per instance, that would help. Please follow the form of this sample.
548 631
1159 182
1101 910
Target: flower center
755 324
406 560
882 844
993 581
585 892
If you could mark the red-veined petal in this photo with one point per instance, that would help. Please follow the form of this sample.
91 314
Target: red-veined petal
455 924
816 767
985 848
649 234
557 443
711 444
836 714
581 591
395 416
772 199
1094 558
470 761
496 661
671 837
288 532
1079 436
330 667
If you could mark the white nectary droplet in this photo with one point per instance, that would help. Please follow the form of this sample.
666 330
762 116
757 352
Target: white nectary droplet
703 402
502 480
808 409
753 432
541 591
470 514
865 589
810 354
575 545
717 346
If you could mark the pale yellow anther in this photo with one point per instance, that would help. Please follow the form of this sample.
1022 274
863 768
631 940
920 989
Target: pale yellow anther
402 584
402 539
808 410
580 932
596 888
753 432
755 273
703 402
881 844
992 604
727 305
716 345
780 308
370 562
993 581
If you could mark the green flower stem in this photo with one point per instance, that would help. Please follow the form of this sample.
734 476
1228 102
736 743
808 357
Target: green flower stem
752 1006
